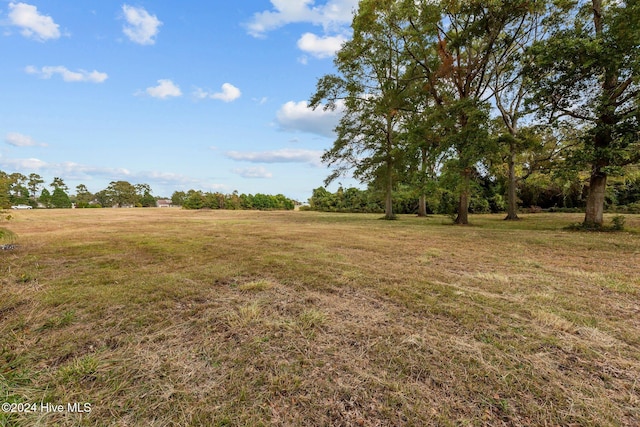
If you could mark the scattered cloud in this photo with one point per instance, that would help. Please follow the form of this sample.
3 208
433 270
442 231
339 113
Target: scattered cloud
255 172
298 117
165 178
68 75
320 47
165 89
20 140
333 14
285 155
23 164
33 24
72 171
229 93
68 170
141 27
212 186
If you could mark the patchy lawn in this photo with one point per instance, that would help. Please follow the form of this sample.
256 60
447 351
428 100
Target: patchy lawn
219 318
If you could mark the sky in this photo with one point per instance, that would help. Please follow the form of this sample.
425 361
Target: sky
182 95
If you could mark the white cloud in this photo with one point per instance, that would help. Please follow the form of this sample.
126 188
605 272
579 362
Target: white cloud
165 178
33 24
332 14
320 47
229 93
297 116
20 140
285 155
68 75
141 26
165 89
23 164
256 172
75 171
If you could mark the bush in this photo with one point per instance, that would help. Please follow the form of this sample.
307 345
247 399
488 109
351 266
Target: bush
7 236
565 210
617 223
479 205
632 208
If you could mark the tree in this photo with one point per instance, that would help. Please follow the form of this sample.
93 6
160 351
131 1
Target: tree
425 137
194 200
34 183
178 198
5 201
535 150
510 87
45 198
145 198
121 193
18 191
59 183
374 93
6 235
83 196
588 69
452 43
232 201
60 199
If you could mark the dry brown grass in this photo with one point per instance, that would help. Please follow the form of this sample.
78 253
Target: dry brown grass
186 318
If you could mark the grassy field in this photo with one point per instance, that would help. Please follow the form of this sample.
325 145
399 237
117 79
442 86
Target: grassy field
218 318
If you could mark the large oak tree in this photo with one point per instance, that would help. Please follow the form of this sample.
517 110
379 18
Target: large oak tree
588 69
373 92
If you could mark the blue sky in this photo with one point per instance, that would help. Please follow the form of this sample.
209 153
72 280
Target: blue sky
178 95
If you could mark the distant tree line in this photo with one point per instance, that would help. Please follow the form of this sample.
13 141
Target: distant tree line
19 189
194 199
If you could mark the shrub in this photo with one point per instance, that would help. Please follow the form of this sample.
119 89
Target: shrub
6 236
617 223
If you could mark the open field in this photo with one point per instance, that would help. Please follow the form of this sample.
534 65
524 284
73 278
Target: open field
221 318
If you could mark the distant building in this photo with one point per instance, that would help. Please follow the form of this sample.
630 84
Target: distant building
164 203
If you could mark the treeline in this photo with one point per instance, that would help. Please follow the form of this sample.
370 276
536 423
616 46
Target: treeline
194 199
540 192
19 189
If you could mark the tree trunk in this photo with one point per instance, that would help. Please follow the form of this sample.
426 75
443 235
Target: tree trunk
463 205
603 136
388 203
463 209
422 205
512 203
595 200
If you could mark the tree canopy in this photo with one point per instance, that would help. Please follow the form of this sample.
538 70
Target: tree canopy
423 83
